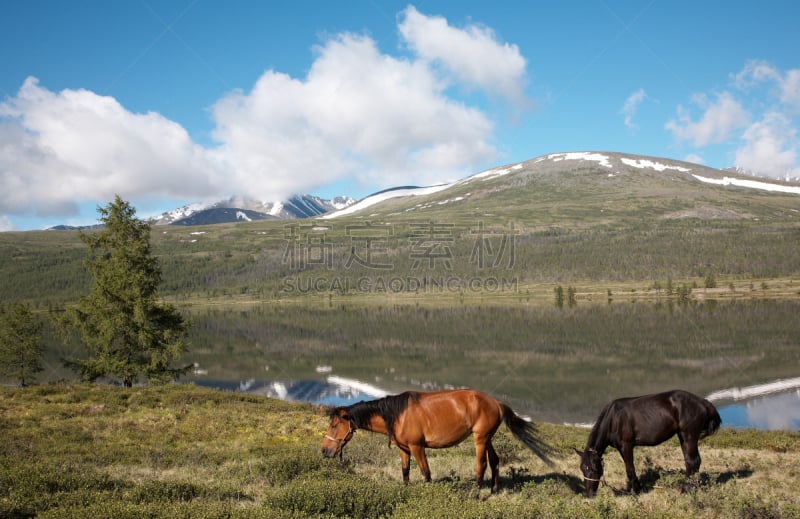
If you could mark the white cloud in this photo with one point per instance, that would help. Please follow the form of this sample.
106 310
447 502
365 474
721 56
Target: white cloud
473 54
57 149
5 224
358 114
719 120
786 85
631 106
754 72
790 88
770 148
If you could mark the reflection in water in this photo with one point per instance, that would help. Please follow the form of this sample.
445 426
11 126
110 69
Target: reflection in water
333 391
754 408
772 412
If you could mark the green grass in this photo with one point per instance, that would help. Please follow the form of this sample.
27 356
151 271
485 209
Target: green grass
182 451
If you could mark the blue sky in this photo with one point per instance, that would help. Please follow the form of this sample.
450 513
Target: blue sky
178 101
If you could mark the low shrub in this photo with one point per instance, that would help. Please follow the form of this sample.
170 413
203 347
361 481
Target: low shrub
284 464
327 492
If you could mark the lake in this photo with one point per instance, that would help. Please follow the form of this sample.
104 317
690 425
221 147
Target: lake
553 364
772 411
558 365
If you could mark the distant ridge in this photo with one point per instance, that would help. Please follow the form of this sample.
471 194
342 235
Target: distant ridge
222 215
74 227
236 209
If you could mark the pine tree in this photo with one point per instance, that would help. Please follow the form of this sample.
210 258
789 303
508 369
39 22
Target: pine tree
21 347
126 330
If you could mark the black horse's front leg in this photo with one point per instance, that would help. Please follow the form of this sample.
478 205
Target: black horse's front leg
691 455
626 451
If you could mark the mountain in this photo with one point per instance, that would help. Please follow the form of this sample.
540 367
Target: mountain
74 227
579 186
547 189
221 215
237 209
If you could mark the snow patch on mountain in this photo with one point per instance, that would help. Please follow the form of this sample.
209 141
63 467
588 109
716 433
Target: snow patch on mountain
753 184
386 195
492 173
276 209
579 155
179 213
644 163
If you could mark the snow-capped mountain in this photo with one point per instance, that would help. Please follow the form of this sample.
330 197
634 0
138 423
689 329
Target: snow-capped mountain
553 166
246 209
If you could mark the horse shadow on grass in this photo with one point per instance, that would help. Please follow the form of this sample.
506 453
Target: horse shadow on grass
652 478
518 480
656 478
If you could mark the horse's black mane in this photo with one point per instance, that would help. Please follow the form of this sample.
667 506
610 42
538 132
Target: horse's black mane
389 408
600 426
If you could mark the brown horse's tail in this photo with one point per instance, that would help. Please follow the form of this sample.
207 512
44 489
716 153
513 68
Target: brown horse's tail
527 433
713 420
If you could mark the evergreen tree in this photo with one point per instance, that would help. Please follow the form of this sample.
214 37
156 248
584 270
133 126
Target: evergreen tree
127 332
21 347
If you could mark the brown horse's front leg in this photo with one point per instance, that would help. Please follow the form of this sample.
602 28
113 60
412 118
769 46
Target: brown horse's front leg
405 459
626 451
422 460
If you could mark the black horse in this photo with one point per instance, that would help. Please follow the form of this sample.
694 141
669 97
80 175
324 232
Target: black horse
647 420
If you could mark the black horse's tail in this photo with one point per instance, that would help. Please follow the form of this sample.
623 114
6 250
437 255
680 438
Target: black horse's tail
527 433
713 421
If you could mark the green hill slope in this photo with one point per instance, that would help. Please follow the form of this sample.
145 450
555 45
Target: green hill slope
559 219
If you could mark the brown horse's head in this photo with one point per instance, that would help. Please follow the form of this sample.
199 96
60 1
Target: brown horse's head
592 468
340 430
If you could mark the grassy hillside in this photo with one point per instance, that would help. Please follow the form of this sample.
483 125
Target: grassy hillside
182 451
542 222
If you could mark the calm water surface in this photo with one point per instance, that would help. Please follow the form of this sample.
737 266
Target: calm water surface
772 412
778 411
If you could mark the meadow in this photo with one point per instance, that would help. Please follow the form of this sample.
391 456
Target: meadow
183 451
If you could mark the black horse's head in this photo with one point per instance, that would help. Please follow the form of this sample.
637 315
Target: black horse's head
592 468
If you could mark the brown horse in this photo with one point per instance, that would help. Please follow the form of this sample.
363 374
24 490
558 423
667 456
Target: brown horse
647 420
415 420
